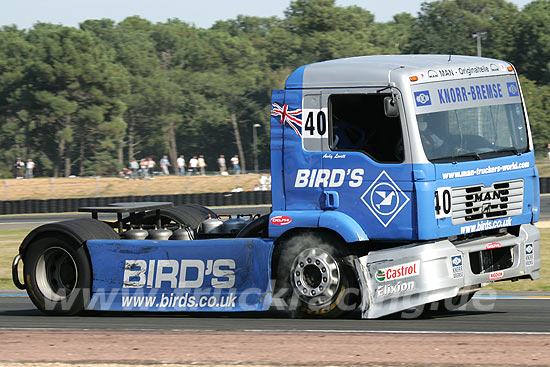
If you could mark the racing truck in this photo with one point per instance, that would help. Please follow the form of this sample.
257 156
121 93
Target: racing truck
397 182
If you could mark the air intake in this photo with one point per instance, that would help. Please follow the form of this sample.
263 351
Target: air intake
501 199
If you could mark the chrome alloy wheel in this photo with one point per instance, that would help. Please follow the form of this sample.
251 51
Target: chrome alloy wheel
315 276
56 273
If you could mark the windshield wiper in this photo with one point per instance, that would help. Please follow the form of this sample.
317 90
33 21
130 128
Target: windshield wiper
503 152
453 158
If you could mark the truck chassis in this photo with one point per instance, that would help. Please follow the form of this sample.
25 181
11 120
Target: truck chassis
87 264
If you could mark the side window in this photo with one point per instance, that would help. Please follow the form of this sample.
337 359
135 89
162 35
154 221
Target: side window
358 123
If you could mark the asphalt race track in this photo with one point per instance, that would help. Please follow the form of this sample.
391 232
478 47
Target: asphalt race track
513 313
505 313
502 315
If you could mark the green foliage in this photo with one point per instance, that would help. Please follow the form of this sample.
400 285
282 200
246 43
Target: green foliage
447 26
393 37
532 49
537 100
83 101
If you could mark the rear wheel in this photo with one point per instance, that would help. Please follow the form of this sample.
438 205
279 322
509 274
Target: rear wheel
57 275
313 278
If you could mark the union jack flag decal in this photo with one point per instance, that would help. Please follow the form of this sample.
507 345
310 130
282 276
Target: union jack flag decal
290 117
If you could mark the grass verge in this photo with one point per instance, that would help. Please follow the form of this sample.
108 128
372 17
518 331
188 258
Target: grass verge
543 165
11 239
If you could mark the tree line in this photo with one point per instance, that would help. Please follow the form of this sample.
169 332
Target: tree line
84 101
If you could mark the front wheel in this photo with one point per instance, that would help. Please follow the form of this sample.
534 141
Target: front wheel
313 278
57 275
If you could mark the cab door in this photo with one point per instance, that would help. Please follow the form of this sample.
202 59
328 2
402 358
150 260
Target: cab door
366 161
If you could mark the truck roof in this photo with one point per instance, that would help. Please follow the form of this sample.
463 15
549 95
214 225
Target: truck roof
375 70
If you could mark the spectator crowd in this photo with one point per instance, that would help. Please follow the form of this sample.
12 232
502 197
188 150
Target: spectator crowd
145 167
19 167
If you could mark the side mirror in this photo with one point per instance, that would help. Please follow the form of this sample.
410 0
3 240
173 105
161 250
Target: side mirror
390 107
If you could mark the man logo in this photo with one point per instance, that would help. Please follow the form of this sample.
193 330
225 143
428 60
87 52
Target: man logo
432 74
422 98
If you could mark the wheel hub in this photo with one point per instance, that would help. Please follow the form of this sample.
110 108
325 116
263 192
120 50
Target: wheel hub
56 273
315 276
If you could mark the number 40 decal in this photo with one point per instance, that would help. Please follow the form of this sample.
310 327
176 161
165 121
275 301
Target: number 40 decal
320 123
443 202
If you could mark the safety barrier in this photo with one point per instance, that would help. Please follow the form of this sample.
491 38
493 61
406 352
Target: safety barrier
72 205
206 199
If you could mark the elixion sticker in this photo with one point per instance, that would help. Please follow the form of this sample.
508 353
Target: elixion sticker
393 289
384 199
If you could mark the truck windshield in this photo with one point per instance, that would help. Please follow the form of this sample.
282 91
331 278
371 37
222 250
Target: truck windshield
473 133
471 119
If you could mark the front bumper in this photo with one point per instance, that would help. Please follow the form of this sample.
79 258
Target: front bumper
400 278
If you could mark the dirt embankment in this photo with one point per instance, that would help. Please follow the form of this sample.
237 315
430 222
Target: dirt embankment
79 187
271 348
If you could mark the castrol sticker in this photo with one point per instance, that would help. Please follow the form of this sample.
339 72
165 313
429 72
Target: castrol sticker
492 246
496 275
398 272
281 220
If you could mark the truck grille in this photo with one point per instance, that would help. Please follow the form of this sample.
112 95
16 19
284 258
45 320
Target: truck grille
501 199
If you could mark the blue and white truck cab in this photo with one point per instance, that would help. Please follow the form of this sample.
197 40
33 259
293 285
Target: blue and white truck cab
397 181
427 160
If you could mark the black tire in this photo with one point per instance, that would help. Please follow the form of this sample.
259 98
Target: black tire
58 275
79 230
313 278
